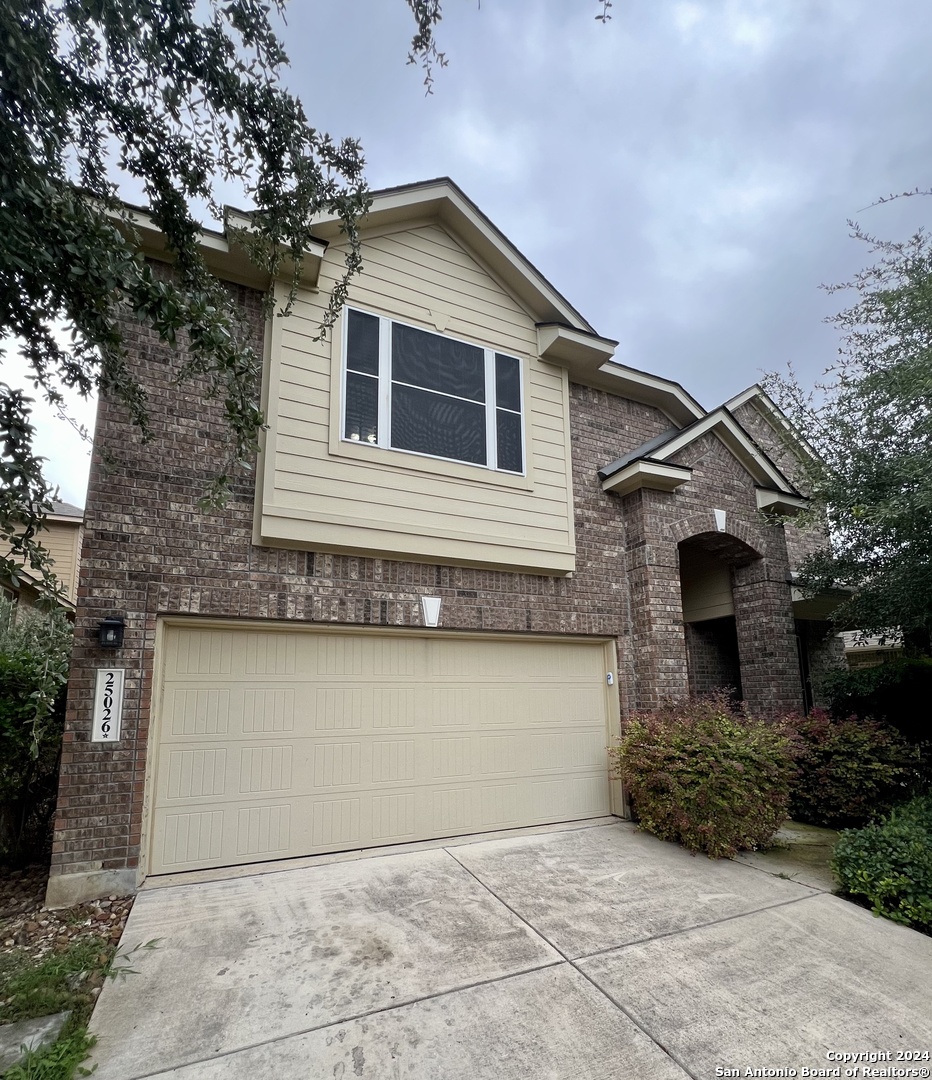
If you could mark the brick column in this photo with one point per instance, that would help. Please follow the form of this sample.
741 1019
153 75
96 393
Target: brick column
658 641
770 676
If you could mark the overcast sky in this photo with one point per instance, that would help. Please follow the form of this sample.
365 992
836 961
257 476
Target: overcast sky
682 174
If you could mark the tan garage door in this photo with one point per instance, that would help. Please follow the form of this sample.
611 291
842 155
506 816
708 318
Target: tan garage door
273 744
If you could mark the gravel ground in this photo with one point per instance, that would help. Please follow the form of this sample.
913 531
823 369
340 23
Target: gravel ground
26 925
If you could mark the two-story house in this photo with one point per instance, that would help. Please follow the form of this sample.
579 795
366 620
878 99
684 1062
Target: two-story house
472 540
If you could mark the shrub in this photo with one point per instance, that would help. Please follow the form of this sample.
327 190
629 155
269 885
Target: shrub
849 771
35 649
892 692
707 774
890 864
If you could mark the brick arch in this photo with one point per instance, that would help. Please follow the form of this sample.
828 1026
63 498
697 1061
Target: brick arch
737 542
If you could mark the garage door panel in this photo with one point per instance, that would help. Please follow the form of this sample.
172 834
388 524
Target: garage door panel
201 652
321 741
245 831
207 771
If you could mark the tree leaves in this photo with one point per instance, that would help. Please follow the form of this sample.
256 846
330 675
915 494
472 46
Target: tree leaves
870 421
178 96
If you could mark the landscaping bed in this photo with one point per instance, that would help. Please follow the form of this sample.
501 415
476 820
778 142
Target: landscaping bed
53 962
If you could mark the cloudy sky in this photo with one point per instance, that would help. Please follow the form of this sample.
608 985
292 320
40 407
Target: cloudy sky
682 174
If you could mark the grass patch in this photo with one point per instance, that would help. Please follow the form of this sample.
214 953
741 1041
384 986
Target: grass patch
58 1061
55 983
60 981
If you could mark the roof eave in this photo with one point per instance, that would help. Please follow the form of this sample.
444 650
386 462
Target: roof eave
442 200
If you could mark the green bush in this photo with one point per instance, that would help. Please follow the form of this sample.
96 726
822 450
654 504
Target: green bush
849 771
705 773
35 650
896 692
890 864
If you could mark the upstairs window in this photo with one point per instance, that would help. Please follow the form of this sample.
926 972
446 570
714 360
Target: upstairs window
408 389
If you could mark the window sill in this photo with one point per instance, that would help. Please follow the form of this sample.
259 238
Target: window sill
404 460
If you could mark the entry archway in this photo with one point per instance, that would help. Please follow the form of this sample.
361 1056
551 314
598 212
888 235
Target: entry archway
707 562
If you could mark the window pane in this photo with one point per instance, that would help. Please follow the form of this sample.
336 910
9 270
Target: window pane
362 343
509 441
438 425
362 408
507 382
437 363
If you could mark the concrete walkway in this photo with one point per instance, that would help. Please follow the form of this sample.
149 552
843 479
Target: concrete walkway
583 954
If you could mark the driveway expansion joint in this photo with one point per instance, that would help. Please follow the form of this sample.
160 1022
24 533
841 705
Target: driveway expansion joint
573 964
689 929
351 1018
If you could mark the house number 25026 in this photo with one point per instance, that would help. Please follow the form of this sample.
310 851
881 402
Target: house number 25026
108 705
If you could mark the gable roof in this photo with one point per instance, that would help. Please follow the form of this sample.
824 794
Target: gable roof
649 464
442 200
757 396
565 337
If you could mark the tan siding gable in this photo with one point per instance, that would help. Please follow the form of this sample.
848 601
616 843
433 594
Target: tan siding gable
318 491
62 540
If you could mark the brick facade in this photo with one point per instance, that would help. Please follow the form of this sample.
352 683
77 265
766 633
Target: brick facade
714 662
149 551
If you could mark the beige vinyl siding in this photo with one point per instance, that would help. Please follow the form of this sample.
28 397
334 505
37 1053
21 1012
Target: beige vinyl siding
276 743
706 587
318 491
62 540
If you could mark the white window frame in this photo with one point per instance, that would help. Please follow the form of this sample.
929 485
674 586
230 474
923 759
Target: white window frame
383 439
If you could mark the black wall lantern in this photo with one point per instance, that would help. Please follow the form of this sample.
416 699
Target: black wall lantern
110 632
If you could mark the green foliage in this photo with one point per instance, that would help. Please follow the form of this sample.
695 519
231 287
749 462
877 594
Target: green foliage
707 774
35 651
850 770
179 97
870 423
889 864
895 692
56 983
58 1061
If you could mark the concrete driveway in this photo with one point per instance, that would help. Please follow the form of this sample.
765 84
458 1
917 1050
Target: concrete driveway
584 953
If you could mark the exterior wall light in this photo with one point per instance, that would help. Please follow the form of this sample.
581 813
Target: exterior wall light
110 632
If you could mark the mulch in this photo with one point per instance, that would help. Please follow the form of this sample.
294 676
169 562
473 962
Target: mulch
27 927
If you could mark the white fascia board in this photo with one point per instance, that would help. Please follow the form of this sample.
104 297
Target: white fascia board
314 250
442 200
780 502
573 348
743 398
647 474
772 413
724 426
669 397
227 260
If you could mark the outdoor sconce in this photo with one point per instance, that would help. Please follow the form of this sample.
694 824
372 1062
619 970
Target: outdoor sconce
110 632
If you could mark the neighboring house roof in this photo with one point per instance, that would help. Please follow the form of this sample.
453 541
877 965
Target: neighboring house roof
61 538
649 465
66 511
